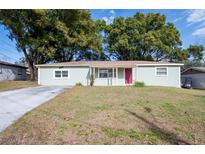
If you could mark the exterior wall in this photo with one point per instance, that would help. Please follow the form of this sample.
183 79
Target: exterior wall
144 74
12 73
198 80
147 75
118 81
77 74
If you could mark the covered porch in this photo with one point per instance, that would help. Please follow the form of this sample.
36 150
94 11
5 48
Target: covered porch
112 76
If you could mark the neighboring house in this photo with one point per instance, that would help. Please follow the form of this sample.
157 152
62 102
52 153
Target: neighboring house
196 75
10 71
110 73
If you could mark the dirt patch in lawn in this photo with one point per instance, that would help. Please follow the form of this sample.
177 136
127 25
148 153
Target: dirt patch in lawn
114 115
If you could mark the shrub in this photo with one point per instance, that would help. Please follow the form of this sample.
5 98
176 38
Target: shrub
139 84
79 84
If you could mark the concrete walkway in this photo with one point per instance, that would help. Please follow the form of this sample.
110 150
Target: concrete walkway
15 103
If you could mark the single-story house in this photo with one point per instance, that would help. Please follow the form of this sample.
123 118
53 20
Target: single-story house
110 73
196 75
10 71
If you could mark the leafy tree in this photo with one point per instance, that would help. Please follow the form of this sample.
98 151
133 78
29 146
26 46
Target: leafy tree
196 52
83 41
52 35
142 37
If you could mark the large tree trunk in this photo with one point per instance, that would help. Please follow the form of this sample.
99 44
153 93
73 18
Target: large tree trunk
30 66
32 72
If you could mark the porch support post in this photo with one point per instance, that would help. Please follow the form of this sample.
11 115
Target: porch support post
133 75
116 72
113 73
116 76
94 72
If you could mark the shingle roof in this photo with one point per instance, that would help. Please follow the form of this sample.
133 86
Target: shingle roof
202 69
10 64
107 64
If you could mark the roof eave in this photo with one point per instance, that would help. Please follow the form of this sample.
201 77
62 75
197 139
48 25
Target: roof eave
193 69
61 66
171 64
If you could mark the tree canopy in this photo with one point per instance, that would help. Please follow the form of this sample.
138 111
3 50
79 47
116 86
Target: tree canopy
148 37
144 37
65 35
53 35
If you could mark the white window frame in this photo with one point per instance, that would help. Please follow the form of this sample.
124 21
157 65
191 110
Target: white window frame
61 73
160 67
115 73
99 73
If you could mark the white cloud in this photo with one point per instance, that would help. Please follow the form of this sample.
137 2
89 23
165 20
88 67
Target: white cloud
195 16
199 32
109 19
178 19
112 12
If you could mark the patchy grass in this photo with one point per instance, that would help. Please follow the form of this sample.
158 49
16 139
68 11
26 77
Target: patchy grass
114 115
11 85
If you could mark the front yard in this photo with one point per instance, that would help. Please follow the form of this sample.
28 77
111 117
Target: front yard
114 115
11 85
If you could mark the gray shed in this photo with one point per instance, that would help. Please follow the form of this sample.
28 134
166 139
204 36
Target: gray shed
196 75
10 71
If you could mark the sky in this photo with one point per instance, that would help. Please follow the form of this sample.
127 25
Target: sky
190 23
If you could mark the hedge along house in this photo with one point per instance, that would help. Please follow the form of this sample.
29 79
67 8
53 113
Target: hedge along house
110 73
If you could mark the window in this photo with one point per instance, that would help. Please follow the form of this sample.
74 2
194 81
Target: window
64 74
59 74
106 73
19 71
103 73
161 71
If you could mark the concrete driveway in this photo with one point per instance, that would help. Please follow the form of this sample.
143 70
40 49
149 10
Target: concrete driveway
15 103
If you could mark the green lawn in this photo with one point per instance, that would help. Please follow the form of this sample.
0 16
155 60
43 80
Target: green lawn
11 85
114 115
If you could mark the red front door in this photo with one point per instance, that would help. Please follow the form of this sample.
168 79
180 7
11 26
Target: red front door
128 75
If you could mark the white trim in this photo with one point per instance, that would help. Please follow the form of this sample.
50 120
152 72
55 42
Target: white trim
113 73
133 75
172 64
98 73
108 73
94 72
39 76
161 75
116 76
124 75
179 77
61 74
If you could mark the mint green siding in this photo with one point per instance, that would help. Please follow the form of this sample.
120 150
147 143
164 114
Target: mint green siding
77 74
144 74
147 75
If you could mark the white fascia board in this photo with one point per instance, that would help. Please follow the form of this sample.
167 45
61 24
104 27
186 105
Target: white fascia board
38 66
160 64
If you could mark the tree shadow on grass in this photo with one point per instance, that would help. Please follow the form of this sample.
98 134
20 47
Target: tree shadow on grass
160 132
